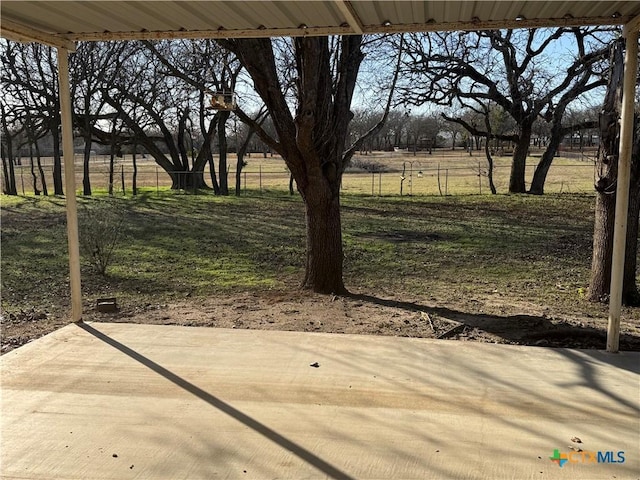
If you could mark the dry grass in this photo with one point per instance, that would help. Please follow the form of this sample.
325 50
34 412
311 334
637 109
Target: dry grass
445 172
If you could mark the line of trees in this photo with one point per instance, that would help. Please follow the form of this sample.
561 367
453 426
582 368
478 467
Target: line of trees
134 96
154 97
499 86
508 74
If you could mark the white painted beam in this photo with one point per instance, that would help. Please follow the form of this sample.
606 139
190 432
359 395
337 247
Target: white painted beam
633 24
622 191
20 33
70 185
350 15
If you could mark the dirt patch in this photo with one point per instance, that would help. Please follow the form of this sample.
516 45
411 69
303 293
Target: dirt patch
358 313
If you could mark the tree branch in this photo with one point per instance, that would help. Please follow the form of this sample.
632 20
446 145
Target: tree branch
378 126
474 131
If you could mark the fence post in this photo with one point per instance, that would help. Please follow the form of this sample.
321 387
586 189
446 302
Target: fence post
446 182
22 179
260 173
122 179
157 182
411 173
245 182
479 179
373 183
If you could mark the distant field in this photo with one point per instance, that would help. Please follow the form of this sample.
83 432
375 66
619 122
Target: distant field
445 172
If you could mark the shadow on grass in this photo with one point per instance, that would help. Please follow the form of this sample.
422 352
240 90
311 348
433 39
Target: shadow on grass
540 330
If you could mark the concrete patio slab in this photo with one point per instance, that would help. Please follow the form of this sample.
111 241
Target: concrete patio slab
120 401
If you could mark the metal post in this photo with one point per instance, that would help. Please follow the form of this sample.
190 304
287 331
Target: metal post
622 192
70 185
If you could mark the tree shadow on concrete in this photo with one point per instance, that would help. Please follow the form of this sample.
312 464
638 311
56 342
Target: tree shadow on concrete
306 455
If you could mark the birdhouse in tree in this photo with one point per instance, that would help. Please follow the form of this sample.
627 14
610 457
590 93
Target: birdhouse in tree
223 101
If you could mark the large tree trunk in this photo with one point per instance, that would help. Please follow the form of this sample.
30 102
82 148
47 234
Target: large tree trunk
519 162
600 285
43 180
134 160
86 181
222 147
607 166
57 158
630 294
34 177
323 273
313 143
542 169
239 167
8 170
212 174
112 156
487 152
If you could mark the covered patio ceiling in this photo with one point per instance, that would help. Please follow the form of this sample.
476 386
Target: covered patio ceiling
58 23
62 23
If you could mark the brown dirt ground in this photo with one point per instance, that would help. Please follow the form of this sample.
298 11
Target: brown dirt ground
358 313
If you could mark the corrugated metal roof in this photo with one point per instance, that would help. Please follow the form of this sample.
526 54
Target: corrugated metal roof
110 20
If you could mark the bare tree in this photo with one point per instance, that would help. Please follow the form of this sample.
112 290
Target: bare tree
313 142
242 141
22 106
32 68
93 68
8 133
204 68
607 168
363 120
508 68
154 113
35 131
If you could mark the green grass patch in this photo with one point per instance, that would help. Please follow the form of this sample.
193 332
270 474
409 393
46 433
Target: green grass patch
176 245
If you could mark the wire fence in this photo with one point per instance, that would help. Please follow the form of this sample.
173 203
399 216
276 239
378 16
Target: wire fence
389 176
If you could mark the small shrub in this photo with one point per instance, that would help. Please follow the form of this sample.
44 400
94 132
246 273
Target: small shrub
100 226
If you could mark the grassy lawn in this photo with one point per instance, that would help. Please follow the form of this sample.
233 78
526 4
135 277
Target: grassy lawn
492 254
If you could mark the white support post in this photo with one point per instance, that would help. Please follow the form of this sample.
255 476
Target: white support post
622 191
70 185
